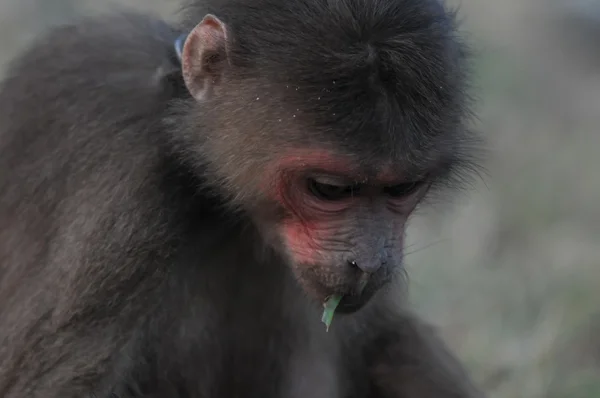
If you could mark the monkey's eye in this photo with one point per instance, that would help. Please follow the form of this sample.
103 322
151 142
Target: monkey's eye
403 190
326 191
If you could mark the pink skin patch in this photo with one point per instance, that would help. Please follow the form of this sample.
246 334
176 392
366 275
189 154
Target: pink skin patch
309 221
304 227
300 240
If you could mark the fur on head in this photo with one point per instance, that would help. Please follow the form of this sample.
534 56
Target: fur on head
352 94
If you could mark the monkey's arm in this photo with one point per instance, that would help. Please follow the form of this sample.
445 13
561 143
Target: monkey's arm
413 362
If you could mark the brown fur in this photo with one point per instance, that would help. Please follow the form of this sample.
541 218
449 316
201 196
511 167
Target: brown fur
135 251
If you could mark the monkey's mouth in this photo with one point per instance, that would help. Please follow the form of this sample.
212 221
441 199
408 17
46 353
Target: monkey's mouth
356 291
351 303
354 299
359 294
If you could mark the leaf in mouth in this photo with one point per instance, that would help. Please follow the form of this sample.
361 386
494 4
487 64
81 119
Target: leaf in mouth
330 305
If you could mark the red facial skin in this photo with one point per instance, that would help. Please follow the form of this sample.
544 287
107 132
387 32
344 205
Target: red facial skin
309 220
324 238
301 226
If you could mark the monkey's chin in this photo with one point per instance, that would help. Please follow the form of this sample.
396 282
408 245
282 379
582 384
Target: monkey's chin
351 304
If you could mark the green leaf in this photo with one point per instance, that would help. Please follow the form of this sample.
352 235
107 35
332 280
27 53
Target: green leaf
330 305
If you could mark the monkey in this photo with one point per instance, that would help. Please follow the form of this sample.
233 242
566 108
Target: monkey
177 200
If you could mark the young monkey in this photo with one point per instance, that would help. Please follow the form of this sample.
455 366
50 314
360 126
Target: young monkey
178 203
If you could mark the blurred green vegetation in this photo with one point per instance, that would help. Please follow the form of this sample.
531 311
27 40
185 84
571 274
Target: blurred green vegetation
511 273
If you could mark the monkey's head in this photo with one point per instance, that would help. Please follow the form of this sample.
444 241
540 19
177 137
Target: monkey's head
328 122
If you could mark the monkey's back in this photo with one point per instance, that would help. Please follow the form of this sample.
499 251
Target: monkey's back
78 89
82 160
85 97
81 75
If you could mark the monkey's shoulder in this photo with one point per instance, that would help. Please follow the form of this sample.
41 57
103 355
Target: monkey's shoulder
96 65
87 97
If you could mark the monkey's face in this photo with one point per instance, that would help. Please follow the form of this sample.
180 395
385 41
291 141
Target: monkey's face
329 151
342 232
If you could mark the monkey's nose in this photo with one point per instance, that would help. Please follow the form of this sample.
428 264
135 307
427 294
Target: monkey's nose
368 267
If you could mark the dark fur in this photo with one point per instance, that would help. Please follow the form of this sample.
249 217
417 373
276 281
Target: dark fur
122 274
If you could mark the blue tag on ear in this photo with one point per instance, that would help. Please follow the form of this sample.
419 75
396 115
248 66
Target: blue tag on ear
179 42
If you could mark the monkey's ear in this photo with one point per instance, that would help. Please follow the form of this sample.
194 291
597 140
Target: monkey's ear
204 57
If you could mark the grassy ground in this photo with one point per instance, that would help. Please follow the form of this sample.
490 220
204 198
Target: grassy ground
512 273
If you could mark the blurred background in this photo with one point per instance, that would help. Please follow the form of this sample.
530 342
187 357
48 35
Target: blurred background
511 271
